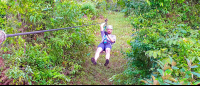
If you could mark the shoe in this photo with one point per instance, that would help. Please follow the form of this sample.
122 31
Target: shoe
107 61
93 61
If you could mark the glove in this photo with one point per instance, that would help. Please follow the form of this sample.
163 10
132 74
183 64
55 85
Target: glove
106 20
106 33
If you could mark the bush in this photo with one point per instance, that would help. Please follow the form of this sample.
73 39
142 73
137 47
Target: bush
52 57
88 8
160 38
169 74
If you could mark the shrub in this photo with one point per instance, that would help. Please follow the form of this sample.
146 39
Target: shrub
88 8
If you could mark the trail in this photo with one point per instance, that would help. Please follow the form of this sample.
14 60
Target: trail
99 74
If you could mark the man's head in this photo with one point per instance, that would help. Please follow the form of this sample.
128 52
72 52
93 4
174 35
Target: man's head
109 29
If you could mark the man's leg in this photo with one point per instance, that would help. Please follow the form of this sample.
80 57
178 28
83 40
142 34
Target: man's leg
99 49
107 56
94 60
108 53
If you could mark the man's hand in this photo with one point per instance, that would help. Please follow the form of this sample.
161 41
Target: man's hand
111 39
106 33
106 20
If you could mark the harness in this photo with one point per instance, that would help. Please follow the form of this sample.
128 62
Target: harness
105 38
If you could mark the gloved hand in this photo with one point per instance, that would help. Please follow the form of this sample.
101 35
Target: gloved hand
106 20
106 33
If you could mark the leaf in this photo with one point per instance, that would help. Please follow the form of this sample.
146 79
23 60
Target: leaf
166 67
183 79
182 70
150 53
188 62
172 79
174 67
170 42
153 77
170 59
159 53
173 63
155 82
194 66
174 42
161 72
181 25
168 81
149 82
197 83
160 63
161 4
154 54
197 74
193 58
144 81
148 2
168 71
188 72
19 79
88 54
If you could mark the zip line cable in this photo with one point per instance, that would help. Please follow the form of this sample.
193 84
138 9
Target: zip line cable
35 32
3 35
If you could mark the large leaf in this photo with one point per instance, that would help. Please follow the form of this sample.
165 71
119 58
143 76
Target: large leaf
160 63
197 74
194 66
174 67
197 83
154 54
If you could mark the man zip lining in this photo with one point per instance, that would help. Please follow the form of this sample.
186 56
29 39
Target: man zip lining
106 44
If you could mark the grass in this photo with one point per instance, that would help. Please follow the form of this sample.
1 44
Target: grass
99 74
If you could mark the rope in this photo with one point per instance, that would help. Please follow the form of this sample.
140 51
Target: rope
35 32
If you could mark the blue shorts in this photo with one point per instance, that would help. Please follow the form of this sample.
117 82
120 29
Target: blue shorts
104 46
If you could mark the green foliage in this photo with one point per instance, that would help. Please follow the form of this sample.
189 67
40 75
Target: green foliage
48 56
20 75
161 36
131 7
3 7
88 8
169 74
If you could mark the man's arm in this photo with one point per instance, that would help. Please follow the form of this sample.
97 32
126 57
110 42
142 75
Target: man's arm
101 27
111 39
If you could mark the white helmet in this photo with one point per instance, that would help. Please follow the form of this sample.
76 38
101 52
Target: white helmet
109 27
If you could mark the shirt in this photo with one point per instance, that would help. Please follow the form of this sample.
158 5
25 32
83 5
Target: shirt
108 40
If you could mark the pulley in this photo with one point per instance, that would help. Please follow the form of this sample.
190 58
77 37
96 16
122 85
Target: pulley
2 36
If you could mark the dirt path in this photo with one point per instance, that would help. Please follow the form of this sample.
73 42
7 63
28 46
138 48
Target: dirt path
99 74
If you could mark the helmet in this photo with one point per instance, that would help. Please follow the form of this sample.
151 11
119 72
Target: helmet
109 27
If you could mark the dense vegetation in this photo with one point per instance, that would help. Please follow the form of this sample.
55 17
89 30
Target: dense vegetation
50 57
164 45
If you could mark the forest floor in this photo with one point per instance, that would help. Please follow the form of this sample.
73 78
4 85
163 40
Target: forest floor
100 74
